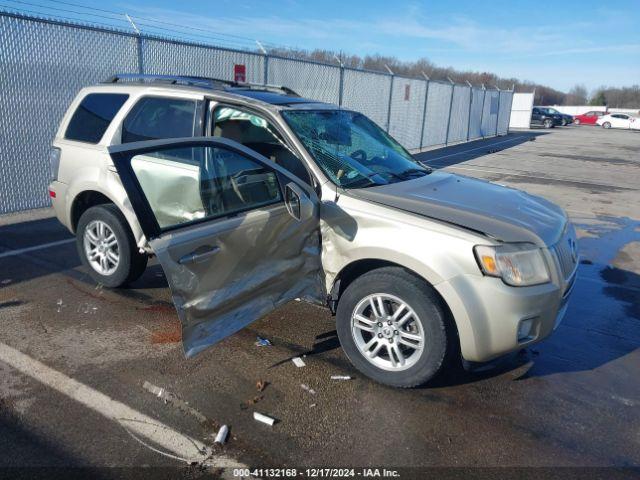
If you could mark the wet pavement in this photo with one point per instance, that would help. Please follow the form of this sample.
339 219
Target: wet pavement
572 400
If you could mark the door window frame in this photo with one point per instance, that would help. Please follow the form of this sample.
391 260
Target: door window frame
210 125
199 118
124 153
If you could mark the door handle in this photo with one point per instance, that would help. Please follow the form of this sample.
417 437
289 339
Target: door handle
198 256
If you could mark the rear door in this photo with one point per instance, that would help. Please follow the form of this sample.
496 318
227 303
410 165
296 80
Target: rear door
236 234
536 117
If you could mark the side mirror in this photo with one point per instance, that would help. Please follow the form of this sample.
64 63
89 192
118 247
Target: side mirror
298 203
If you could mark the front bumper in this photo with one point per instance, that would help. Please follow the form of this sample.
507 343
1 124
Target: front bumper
488 313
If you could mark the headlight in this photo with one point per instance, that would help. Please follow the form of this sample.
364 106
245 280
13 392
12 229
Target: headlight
517 264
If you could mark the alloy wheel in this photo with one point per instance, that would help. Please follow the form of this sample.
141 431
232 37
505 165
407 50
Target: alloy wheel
387 332
101 247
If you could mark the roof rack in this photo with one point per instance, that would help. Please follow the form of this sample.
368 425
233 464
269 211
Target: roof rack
268 87
195 81
202 82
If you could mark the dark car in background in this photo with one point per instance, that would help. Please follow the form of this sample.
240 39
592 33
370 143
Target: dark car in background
542 116
565 117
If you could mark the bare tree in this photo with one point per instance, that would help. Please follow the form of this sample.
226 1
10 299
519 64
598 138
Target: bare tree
577 96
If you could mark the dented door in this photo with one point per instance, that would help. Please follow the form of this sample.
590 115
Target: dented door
236 235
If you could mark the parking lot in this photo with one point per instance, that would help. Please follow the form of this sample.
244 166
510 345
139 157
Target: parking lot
572 400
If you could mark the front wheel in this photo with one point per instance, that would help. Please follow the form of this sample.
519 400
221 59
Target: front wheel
107 248
606 125
576 121
393 327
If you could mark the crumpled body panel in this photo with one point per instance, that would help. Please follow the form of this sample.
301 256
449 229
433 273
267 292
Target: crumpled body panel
265 258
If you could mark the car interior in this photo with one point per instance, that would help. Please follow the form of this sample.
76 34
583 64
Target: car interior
257 134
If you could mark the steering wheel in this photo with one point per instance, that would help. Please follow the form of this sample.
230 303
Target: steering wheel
359 155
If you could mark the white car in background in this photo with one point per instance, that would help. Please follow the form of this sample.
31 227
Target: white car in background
619 120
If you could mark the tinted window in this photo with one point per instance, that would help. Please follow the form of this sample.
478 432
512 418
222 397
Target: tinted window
93 116
187 184
155 118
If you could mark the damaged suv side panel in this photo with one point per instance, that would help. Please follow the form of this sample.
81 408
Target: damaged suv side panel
226 268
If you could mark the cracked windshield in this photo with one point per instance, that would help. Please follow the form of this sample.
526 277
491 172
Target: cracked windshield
352 150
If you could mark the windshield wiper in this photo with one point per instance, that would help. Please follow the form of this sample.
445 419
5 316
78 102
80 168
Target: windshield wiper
412 171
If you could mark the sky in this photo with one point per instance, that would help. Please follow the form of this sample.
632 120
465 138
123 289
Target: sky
559 43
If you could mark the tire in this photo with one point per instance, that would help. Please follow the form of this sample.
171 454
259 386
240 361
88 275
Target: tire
564 122
98 226
428 321
576 121
606 125
547 123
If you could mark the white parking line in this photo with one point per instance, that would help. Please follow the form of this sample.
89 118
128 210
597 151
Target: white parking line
20 251
177 445
473 149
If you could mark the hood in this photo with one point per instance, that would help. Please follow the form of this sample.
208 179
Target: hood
504 213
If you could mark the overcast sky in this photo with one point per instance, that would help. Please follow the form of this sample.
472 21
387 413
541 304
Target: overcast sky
558 43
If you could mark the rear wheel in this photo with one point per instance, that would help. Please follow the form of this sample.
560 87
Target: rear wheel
564 122
393 327
606 125
107 248
547 123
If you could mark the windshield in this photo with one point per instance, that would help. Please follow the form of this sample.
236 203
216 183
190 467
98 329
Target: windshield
352 150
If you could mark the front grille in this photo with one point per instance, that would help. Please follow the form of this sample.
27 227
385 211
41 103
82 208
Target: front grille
567 252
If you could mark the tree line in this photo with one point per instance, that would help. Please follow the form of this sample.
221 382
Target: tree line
628 97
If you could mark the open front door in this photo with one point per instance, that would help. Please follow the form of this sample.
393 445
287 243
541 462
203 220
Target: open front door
236 234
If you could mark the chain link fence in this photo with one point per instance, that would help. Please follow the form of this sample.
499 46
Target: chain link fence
44 63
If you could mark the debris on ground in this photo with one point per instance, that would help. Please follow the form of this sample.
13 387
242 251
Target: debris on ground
262 342
264 418
6 281
312 405
298 362
340 377
261 385
60 305
221 437
170 398
255 400
307 388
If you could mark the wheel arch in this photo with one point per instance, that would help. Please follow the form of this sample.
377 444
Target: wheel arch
359 267
83 201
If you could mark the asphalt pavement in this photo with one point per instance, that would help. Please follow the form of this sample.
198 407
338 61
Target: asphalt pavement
74 357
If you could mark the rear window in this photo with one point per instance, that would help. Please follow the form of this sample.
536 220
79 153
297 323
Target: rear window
156 117
93 116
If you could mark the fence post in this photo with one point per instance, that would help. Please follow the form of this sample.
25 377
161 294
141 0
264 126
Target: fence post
484 99
265 72
424 109
390 98
453 87
513 91
340 80
470 103
498 112
139 44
